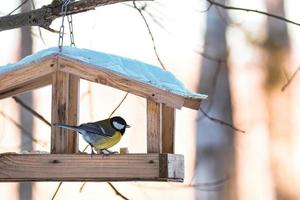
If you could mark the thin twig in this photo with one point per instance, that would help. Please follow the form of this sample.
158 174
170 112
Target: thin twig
290 79
28 108
56 191
118 106
19 6
221 121
116 191
207 9
213 89
252 10
82 186
209 57
25 131
151 35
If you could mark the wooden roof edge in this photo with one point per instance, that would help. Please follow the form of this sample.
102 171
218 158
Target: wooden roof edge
28 74
21 65
106 77
26 87
192 103
19 80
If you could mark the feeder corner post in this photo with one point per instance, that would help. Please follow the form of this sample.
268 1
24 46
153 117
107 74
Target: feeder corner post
160 127
65 109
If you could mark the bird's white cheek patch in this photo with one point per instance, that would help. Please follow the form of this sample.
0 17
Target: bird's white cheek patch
118 125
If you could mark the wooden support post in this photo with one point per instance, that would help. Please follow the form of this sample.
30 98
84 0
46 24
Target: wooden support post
154 140
64 111
73 111
168 129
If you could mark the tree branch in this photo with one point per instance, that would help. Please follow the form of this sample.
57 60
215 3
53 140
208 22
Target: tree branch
32 111
44 16
290 79
116 191
220 121
150 33
212 2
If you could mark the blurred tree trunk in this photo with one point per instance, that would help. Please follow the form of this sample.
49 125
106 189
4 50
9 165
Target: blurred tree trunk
277 50
26 118
215 152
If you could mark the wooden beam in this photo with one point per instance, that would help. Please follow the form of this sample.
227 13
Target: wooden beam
154 140
25 75
109 78
62 140
73 111
192 103
168 129
26 87
173 170
79 167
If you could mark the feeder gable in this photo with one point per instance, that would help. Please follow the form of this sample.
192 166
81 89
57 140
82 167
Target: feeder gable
126 74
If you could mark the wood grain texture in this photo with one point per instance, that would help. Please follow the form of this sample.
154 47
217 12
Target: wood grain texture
79 167
192 103
168 129
174 170
61 139
154 138
28 73
106 77
26 87
29 77
73 111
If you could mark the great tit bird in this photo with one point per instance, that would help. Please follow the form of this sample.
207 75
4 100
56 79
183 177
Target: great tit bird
100 135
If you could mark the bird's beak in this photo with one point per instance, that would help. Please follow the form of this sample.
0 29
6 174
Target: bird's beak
128 126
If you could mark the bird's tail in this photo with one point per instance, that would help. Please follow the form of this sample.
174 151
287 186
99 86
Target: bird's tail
60 125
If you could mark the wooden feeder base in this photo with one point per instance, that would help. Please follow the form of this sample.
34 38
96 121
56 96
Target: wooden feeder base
81 167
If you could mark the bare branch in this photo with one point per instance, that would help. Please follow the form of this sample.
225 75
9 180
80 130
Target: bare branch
28 108
207 9
19 6
150 33
56 191
44 16
25 131
118 106
290 79
116 191
221 121
252 10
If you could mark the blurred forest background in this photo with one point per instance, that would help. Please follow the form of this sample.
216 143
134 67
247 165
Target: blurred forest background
243 142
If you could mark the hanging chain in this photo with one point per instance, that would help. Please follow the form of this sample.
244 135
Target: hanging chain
64 10
70 21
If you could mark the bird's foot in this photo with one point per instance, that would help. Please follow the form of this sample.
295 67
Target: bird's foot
106 152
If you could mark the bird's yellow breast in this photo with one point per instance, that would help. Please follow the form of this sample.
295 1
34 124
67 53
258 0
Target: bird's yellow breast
107 142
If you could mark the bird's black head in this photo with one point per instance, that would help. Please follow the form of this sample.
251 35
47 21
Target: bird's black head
119 124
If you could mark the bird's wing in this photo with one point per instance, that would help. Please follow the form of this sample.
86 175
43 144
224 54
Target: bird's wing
96 128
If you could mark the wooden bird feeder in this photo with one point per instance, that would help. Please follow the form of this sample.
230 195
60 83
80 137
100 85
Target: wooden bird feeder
63 70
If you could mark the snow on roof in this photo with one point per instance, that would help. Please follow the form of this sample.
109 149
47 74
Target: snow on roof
129 68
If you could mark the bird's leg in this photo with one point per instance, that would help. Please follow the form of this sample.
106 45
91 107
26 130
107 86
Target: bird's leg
92 150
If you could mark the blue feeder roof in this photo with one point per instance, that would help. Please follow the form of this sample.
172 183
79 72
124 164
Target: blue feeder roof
126 67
